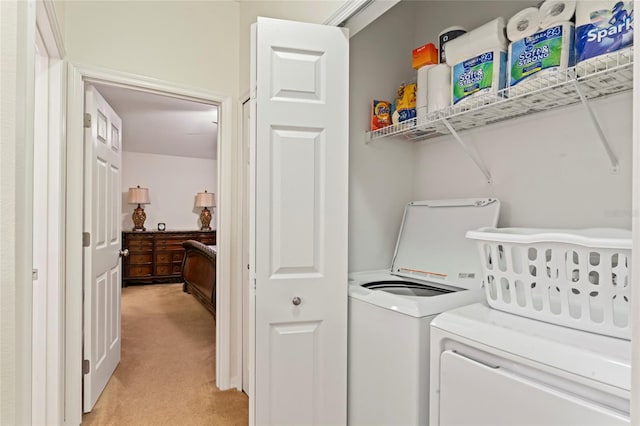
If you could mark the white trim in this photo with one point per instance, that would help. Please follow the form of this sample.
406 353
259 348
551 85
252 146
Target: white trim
56 288
635 252
78 75
224 243
149 84
241 315
49 360
252 228
40 234
346 11
73 248
355 15
47 22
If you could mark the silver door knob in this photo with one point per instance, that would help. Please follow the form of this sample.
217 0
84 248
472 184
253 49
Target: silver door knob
124 253
296 301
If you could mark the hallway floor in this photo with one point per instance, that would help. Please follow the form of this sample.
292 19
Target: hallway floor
167 372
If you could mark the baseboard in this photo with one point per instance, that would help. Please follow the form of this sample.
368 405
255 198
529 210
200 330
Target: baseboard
235 382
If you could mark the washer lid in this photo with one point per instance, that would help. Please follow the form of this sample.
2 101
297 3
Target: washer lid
432 245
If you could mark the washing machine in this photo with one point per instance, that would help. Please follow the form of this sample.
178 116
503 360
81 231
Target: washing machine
434 269
495 368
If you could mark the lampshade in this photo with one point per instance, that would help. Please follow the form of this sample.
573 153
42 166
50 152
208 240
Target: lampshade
205 199
138 195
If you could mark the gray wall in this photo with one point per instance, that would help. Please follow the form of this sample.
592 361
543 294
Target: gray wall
549 169
380 173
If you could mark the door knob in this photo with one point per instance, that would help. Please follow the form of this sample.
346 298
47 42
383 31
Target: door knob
124 253
296 301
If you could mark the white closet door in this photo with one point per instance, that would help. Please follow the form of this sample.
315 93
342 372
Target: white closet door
102 278
300 143
472 393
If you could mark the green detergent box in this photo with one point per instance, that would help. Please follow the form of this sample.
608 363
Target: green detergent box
550 50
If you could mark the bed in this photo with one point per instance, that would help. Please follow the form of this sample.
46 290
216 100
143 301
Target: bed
199 273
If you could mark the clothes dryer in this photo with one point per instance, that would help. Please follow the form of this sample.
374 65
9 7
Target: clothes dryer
434 269
494 368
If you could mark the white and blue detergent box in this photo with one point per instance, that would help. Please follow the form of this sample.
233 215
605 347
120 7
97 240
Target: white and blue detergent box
547 49
480 74
609 30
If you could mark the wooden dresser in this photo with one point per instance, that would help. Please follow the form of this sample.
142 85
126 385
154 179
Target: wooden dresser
156 256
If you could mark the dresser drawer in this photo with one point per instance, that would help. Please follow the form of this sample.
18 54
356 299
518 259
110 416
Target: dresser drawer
208 241
140 270
169 256
164 269
170 240
163 257
140 248
131 236
137 259
139 245
168 247
156 256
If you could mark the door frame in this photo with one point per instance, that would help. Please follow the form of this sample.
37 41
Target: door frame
21 21
77 76
635 252
48 318
243 235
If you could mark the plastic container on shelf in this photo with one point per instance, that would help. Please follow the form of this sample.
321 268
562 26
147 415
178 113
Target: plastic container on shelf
574 278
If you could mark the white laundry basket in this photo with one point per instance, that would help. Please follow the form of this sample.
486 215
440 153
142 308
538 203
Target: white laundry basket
574 278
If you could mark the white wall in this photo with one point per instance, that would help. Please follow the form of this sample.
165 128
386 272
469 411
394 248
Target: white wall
60 8
549 170
185 42
17 35
8 355
173 183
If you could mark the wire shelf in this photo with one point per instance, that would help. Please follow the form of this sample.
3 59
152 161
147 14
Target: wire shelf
594 78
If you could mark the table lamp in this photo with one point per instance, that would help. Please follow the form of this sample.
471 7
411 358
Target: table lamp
138 196
205 199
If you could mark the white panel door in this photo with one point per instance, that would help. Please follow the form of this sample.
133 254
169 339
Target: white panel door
300 142
472 393
102 279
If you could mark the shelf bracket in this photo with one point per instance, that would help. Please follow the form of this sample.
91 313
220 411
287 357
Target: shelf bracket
603 139
468 150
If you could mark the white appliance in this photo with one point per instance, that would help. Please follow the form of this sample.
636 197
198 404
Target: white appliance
434 268
494 368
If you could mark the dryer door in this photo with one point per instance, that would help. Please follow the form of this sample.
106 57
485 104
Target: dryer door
472 393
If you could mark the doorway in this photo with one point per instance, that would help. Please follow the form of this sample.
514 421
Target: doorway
167 146
78 78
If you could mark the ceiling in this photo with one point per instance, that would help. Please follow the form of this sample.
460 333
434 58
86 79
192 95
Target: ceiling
156 124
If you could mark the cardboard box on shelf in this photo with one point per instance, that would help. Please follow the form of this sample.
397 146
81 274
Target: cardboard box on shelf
424 55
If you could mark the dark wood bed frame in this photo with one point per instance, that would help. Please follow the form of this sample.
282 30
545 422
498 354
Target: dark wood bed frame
199 273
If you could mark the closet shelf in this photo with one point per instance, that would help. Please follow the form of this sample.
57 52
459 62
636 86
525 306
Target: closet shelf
597 78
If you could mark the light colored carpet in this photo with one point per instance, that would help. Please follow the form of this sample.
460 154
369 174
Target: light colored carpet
167 372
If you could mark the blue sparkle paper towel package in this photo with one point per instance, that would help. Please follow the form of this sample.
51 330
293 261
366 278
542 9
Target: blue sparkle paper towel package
602 28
